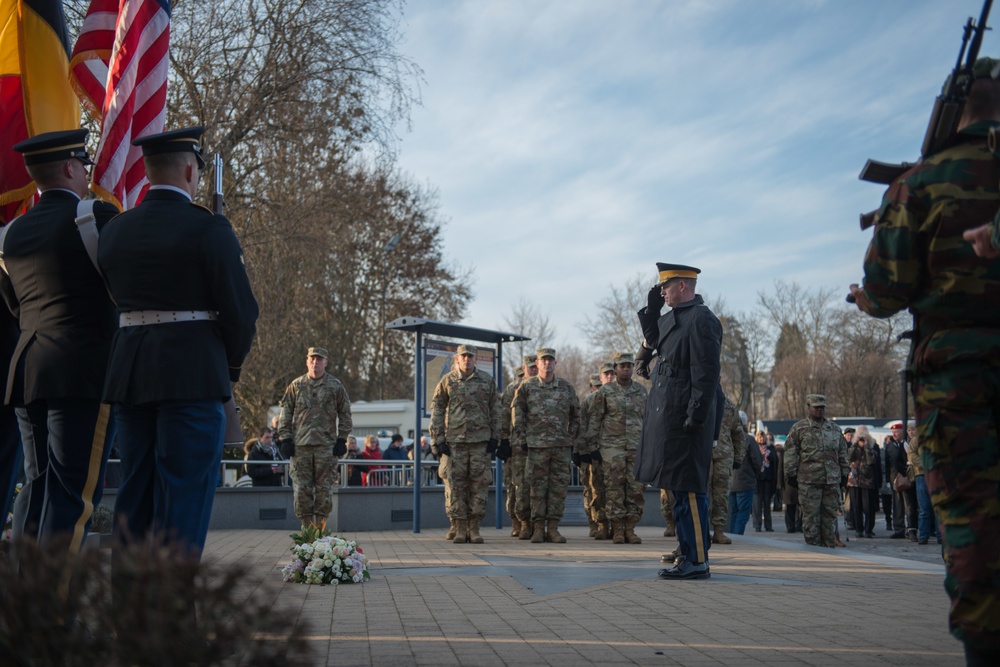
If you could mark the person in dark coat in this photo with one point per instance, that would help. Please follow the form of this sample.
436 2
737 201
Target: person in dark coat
790 498
744 484
765 470
675 451
187 320
11 456
56 373
267 473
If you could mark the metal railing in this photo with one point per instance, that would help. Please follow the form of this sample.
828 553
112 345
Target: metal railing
391 474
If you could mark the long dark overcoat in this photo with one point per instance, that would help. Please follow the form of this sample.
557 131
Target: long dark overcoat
688 342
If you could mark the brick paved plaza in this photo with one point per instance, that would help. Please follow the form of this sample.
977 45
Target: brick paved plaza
771 600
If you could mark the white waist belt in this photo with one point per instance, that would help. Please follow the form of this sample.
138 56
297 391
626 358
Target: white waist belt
136 318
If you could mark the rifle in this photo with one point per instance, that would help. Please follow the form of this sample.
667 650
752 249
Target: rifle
217 201
234 432
947 110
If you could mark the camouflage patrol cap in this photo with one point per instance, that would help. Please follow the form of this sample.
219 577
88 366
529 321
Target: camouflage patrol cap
467 349
519 373
624 358
531 360
595 381
816 400
607 367
546 352
317 352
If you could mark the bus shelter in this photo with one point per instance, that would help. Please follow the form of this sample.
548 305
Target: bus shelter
432 358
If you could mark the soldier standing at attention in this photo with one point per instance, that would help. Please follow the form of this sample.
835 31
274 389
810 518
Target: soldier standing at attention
917 260
676 447
598 489
546 426
465 417
187 320
56 377
513 457
615 426
816 464
582 459
314 408
726 457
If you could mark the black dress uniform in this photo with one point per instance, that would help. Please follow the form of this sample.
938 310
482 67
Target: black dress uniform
187 321
11 457
675 451
56 374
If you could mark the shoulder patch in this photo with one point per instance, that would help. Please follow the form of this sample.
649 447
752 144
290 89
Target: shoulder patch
196 204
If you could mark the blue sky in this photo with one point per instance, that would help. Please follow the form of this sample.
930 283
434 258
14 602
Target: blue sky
576 143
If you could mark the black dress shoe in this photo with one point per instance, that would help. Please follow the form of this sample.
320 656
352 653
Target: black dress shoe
859 534
897 536
671 557
869 534
922 540
685 569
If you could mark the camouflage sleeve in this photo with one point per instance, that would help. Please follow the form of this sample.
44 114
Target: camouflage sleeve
792 453
519 427
574 415
345 422
584 423
845 468
506 401
735 427
286 428
892 263
496 414
591 439
740 447
439 405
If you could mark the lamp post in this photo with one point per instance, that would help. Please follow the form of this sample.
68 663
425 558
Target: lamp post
386 250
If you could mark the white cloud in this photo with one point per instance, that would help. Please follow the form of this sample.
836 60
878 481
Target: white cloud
576 143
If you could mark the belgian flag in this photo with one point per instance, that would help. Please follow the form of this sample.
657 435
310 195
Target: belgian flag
35 94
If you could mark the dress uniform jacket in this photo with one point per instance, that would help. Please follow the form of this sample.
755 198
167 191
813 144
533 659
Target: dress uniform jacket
688 341
169 254
66 317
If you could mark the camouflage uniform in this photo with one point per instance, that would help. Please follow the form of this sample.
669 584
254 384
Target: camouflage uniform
547 421
816 454
465 413
918 260
314 413
667 510
615 427
513 470
729 449
591 474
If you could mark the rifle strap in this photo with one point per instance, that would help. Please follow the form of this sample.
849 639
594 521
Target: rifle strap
3 239
86 224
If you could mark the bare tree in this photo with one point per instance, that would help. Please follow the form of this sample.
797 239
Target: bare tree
528 319
613 326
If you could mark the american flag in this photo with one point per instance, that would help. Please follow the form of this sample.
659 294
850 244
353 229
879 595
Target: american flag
119 71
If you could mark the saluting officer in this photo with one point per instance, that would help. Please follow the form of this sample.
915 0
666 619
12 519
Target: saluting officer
187 319
56 377
680 424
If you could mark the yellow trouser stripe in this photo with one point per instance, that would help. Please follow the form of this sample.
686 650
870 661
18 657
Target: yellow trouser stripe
699 538
93 474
